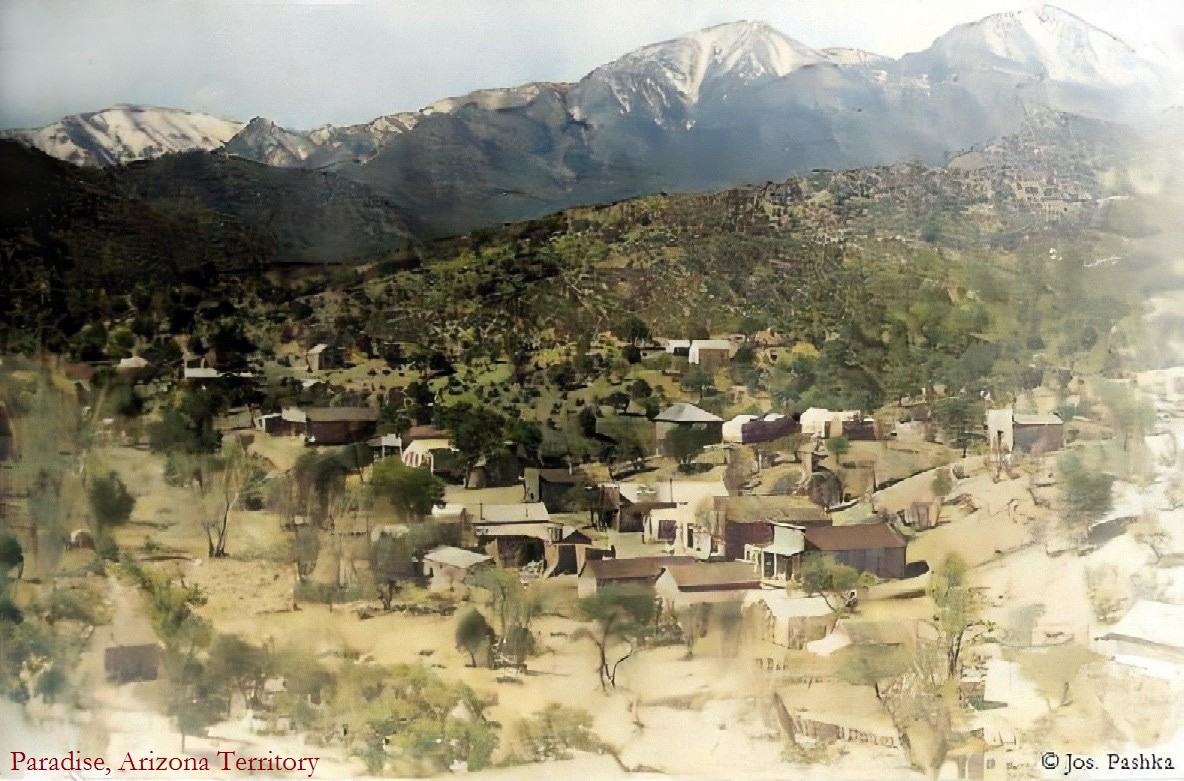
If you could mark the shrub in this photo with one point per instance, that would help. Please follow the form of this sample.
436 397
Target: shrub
106 549
552 734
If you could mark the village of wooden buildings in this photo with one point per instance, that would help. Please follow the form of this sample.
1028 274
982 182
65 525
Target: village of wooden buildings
782 579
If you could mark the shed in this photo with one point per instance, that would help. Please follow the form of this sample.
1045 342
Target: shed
449 567
868 547
710 353
681 585
684 415
640 571
788 620
515 534
1036 434
553 487
571 553
340 425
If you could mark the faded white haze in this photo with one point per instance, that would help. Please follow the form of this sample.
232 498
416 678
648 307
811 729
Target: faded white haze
304 64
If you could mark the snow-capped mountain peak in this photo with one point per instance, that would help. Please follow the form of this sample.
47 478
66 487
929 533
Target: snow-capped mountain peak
126 132
682 70
1045 42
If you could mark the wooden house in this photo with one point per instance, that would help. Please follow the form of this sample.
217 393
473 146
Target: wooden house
710 354
749 520
515 534
640 572
339 425
785 620
687 416
1037 434
572 552
868 547
289 421
681 585
1008 431
553 487
636 516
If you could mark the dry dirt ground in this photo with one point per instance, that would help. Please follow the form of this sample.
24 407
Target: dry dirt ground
697 717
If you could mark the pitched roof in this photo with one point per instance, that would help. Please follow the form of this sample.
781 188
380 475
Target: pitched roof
703 576
456 557
522 512
784 606
333 414
631 569
859 536
687 413
783 509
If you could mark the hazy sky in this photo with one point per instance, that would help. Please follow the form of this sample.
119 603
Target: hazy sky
303 63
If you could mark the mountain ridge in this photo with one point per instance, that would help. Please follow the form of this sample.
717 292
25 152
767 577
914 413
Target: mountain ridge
733 103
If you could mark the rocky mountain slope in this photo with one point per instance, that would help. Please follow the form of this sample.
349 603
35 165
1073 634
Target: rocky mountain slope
124 133
739 102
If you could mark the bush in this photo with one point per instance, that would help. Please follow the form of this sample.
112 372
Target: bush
106 549
76 605
552 734
110 501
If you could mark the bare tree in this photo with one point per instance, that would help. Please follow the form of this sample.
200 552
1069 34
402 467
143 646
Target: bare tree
219 482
